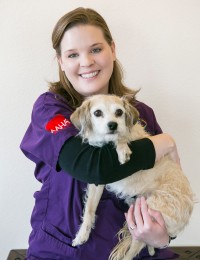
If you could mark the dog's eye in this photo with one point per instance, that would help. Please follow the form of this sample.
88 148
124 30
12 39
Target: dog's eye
98 113
118 112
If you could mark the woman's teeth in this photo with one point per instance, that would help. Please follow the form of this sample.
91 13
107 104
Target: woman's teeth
89 75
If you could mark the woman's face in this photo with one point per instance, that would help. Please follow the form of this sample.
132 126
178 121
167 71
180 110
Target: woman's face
87 59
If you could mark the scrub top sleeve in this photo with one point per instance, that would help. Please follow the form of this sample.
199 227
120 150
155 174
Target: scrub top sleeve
156 126
50 127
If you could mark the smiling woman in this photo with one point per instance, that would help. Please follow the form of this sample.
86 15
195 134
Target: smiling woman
87 65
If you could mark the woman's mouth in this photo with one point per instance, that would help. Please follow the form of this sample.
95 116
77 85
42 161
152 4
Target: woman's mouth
89 75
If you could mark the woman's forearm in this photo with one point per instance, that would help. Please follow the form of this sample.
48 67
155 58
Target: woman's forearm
101 165
164 144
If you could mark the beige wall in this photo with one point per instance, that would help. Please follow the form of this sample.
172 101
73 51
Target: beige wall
157 43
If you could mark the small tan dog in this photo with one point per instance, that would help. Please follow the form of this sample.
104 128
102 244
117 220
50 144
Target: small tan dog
105 118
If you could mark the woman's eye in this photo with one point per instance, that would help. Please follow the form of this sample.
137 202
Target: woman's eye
118 112
96 50
98 113
73 55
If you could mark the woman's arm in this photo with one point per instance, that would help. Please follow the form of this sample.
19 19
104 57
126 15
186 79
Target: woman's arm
101 166
165 144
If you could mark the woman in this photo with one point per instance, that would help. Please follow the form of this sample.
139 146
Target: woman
87 65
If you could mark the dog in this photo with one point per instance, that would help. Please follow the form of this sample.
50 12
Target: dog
109 118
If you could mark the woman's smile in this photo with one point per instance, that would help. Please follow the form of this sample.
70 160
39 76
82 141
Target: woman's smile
90 75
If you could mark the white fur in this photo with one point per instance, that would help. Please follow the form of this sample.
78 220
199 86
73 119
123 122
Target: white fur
165 186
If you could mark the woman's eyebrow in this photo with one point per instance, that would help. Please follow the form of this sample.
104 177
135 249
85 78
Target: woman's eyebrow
70 50
99 43
93 45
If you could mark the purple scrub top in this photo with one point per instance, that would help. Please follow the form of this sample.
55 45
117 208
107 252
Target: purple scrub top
59 204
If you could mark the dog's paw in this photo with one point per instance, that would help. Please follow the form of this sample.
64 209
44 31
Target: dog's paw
151 250
124 154
123 159
82 235
128 155
79 240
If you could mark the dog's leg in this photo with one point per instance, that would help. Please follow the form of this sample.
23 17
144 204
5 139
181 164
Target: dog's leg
134 250
127 247
93 196
123 152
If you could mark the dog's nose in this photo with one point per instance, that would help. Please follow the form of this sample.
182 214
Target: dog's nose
112 125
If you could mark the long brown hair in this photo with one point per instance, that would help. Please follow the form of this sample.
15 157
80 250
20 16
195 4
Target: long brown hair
63 86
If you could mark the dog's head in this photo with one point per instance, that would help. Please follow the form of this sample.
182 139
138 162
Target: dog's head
104 118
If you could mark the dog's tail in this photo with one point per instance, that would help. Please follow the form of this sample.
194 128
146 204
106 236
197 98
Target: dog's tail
123 245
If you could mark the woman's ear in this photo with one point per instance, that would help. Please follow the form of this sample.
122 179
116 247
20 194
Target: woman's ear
60 62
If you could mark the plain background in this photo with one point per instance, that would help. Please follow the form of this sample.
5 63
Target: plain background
158 43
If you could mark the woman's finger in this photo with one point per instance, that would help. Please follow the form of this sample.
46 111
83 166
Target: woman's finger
157 216
145 212
137 213
130 218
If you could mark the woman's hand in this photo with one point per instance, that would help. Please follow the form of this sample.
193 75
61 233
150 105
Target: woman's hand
147 225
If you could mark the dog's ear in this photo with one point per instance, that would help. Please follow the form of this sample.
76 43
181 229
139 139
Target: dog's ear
131 97
80 118
132 113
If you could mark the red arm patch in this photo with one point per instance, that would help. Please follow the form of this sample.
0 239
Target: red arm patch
57 123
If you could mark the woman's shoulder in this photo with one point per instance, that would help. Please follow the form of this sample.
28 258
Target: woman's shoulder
147 118
50 108
142 106
48 97
49 100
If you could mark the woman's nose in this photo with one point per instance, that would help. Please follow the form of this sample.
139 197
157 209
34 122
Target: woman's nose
86 60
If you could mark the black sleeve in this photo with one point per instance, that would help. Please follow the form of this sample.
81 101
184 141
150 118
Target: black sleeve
100 165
